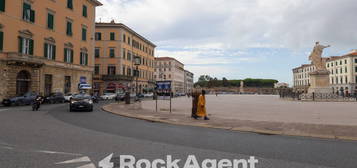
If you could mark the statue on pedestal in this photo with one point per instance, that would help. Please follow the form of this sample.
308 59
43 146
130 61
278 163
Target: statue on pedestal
315 57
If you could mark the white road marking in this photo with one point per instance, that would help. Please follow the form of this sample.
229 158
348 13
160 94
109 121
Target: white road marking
77 160
54 152
91 165
7 147
3 109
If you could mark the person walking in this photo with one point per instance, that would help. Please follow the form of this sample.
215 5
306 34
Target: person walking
201 106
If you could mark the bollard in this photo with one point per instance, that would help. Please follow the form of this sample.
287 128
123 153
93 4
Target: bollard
127 98
313 96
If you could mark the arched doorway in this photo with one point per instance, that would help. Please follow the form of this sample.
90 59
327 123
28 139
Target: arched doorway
23 82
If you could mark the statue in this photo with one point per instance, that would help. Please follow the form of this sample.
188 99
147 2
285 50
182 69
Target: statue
315 57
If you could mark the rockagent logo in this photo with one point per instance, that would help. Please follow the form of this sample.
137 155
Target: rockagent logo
129 161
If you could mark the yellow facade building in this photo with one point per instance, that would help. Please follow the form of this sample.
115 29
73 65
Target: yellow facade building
116 47
46 45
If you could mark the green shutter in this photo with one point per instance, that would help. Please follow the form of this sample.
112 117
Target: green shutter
2 5
65 55
112 36
80 58
1 40
32 16
50 19
84 11
20 44
71 56
69 28
45 48
25 8
69 4
31 47
84 34
54 52
86 61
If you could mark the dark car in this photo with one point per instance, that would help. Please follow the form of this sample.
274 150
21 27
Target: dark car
56 97
25 99
81 102
120 97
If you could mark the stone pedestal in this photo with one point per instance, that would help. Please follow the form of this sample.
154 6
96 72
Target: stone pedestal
320 82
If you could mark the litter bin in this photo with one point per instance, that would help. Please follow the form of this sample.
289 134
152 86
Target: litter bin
127 98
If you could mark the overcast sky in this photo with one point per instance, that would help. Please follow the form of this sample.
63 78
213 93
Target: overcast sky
239 38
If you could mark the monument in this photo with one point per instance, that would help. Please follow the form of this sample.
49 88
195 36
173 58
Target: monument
241 89
319 79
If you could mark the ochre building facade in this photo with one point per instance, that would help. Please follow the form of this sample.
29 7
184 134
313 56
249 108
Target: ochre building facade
116 47
46 45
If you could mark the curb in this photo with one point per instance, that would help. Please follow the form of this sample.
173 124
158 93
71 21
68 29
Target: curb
240 129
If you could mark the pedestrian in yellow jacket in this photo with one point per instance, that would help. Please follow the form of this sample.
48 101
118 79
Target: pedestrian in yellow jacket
201 107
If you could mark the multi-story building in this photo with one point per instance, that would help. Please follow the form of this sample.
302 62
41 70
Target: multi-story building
46 46
301 77
343 74
169 69
188 85
116 47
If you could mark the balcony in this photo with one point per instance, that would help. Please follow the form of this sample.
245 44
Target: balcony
116 77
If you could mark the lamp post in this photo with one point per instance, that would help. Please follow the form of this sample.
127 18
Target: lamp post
137 62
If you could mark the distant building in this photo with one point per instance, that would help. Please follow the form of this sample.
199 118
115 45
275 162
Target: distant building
343 74
281 85
116 46
169 69
188 78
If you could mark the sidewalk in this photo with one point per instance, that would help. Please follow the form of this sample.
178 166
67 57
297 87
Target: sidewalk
346 132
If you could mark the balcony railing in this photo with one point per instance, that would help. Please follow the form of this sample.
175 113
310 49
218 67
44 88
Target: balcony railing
116 77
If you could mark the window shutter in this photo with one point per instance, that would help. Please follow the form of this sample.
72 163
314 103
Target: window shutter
86 59
1 40
20 44
2 5
31 47
32 16
25 8
69 28
45 48
84 11
65 55
80 58
54 52
69 4
71 56
50 18
84 34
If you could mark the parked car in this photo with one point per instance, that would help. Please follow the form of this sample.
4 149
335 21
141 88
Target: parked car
25 99
149 95
120 97
108 96
81 102
68 96
56 97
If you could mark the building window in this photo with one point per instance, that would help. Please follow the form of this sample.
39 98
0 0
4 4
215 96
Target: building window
96 69
67 84
124 38
70 4
129 40
69 29
84 34
112 36
128 72
345 61
50 21
50 51
97 52
1 40
98 36
111 70
129 55
111 52
68 55
345 69
355 69
27 13
26 46
2 5
83 58
84 11
123 53
355 60
124 70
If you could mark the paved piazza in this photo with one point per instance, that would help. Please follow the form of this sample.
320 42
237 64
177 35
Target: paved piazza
266 108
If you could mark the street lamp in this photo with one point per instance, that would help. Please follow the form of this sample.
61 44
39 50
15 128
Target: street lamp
137 62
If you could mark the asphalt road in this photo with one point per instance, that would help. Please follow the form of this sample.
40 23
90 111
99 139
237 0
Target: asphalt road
53 137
